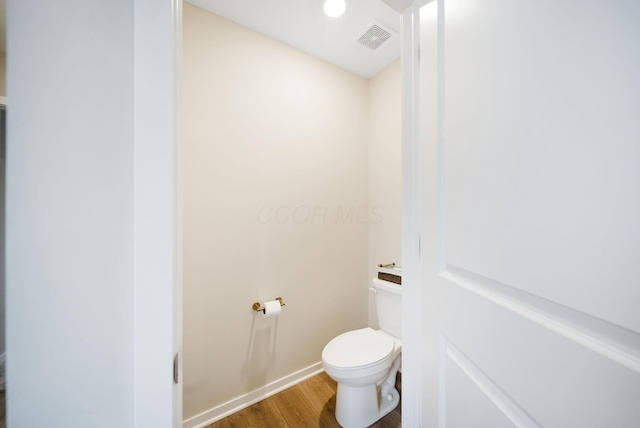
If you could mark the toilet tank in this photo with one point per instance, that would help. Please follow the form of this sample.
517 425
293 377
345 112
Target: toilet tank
389 306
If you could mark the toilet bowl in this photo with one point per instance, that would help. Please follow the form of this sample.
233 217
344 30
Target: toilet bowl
365 362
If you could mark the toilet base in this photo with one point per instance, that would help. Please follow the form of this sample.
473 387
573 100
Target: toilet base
359 407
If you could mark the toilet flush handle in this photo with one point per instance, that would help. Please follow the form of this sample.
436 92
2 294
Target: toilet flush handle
375 291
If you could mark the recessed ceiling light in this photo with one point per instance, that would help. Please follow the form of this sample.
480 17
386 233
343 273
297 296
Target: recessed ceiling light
335 8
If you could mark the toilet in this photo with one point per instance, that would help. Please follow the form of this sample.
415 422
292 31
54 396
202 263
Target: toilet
365 362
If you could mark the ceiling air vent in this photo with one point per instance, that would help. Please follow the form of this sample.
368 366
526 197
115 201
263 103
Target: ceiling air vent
374 35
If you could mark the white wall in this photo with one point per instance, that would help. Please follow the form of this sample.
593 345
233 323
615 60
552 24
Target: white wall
275 204
69 215
385 174
90 158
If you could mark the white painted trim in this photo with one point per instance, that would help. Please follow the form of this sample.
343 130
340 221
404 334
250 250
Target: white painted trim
3 101
178 284
411 267
225 409
156 256
560 319
512 410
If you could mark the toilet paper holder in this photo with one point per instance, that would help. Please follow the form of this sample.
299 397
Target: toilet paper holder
257 306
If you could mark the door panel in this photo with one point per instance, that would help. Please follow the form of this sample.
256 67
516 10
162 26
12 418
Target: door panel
555 380
469 396
530 140
542 215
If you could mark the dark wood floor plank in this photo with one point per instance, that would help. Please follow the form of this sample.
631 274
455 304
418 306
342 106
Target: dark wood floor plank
321 389
296 408
3 410
262 414
392 420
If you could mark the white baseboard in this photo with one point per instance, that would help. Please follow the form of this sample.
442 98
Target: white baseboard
225 409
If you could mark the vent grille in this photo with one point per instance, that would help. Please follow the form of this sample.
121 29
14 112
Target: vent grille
374 36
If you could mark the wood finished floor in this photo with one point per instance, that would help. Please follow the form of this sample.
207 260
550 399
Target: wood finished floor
3 413
311 403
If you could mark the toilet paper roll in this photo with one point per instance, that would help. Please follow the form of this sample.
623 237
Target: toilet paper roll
272 308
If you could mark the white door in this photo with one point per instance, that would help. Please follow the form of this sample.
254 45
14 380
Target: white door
530 212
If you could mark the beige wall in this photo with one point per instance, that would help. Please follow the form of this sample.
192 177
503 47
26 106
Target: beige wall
275 204
385 177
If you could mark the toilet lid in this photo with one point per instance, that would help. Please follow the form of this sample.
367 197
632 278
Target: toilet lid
357 348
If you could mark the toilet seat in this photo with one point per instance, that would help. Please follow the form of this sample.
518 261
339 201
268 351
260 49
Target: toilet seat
357 349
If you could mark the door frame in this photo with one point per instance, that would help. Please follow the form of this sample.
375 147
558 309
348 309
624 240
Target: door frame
411 220
412 287
157 213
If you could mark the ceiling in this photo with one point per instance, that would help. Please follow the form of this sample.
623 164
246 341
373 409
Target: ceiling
303 25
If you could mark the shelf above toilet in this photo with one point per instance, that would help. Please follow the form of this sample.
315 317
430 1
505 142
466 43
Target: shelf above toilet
390 272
